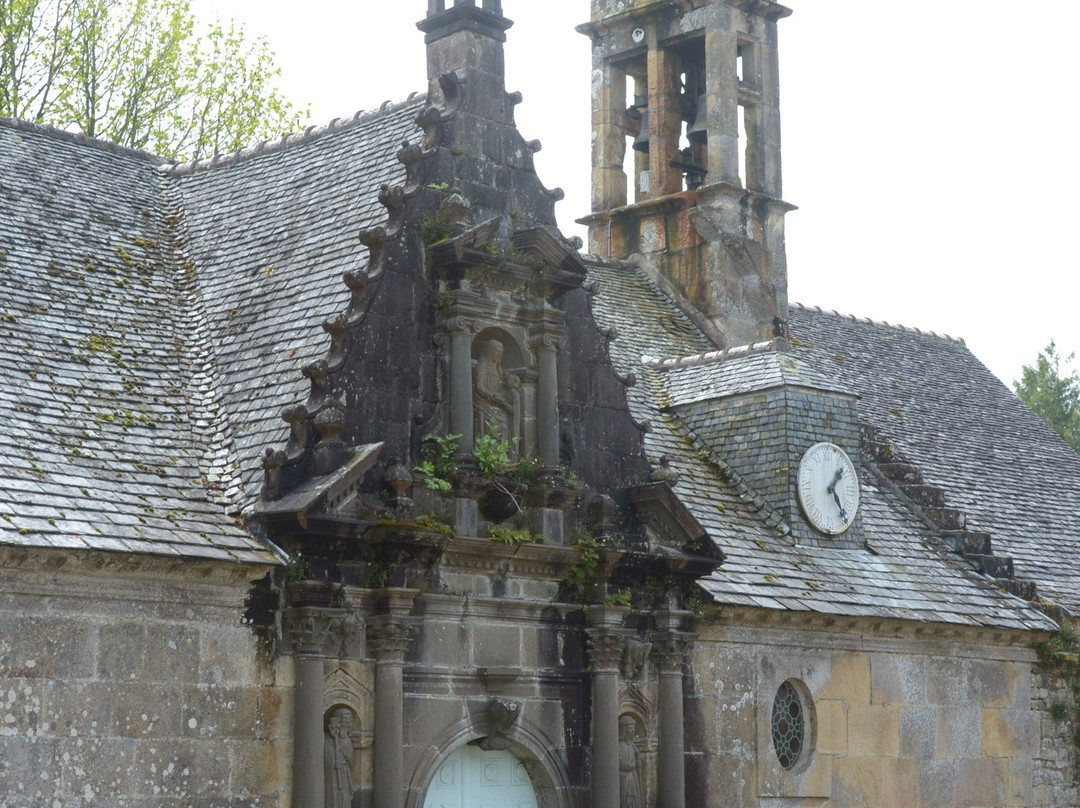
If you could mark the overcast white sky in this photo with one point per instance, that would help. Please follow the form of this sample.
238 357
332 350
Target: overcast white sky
930 144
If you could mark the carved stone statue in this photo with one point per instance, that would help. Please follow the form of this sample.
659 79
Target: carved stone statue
496 396
338 757
631 795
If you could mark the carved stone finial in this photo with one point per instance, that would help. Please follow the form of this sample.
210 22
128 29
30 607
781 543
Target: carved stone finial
399 480
503 714
665 473
317 372
335 327
392 197
272 462
429 119
357 280
457 210
300 433
330 450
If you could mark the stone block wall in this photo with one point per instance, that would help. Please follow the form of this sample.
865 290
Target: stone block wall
1055 774
894 720
127 682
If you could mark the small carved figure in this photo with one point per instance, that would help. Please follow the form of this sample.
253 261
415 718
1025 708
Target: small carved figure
337 757
631 794
497 396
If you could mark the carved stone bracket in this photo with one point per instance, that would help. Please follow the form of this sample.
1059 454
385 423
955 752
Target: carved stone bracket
634 655
313 631
503 714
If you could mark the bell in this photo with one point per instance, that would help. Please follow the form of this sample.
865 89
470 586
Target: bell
641 142
699 132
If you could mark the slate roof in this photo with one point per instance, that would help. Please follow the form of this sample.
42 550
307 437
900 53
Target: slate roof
1000 464
904 575
154 319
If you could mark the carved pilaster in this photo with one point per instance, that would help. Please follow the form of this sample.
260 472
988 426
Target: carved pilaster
388 636
607 641
546 340
671 644
461 330
314 632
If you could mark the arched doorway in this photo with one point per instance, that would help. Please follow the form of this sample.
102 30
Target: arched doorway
474 778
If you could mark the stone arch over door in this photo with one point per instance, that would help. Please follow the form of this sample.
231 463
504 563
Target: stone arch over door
470 776
546 771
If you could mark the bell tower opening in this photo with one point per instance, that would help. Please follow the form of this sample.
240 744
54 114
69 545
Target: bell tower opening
699 197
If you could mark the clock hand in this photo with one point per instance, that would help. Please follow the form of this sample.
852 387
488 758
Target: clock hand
832 486
836 497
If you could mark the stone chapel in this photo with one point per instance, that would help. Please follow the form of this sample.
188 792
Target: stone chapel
332 475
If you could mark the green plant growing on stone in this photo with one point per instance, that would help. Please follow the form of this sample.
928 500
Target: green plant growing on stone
620 597
433 523
492 455
439 468
435 228
377 574
581 581
515 537
438 186
296 568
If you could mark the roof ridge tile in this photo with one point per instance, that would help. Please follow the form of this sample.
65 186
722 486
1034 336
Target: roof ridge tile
290 139
877 323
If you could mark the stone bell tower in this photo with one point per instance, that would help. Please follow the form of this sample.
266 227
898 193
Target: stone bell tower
686 154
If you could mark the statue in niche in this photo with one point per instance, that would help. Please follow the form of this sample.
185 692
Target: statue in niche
631 795
338 757
496 396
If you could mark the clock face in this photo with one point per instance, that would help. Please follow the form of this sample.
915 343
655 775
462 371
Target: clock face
828 488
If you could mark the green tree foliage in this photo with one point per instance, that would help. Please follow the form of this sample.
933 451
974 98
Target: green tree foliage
140 73
1052 394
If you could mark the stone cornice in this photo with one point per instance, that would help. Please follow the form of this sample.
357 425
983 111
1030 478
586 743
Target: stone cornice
105 564
773 627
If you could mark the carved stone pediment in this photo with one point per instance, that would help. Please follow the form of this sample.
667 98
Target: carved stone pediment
327 494
671 521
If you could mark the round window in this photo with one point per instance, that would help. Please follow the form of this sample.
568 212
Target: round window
789 726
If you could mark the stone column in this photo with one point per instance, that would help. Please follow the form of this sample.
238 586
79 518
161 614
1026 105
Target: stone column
606 639
461 330
722 83
309 630
670 646
609 133
388 638
665 122
546 344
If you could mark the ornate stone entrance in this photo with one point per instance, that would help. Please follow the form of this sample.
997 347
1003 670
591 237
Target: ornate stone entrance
474 778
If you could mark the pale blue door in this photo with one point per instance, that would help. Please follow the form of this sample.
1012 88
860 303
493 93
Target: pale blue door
473 778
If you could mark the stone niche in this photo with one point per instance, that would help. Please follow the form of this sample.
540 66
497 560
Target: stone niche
504 379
